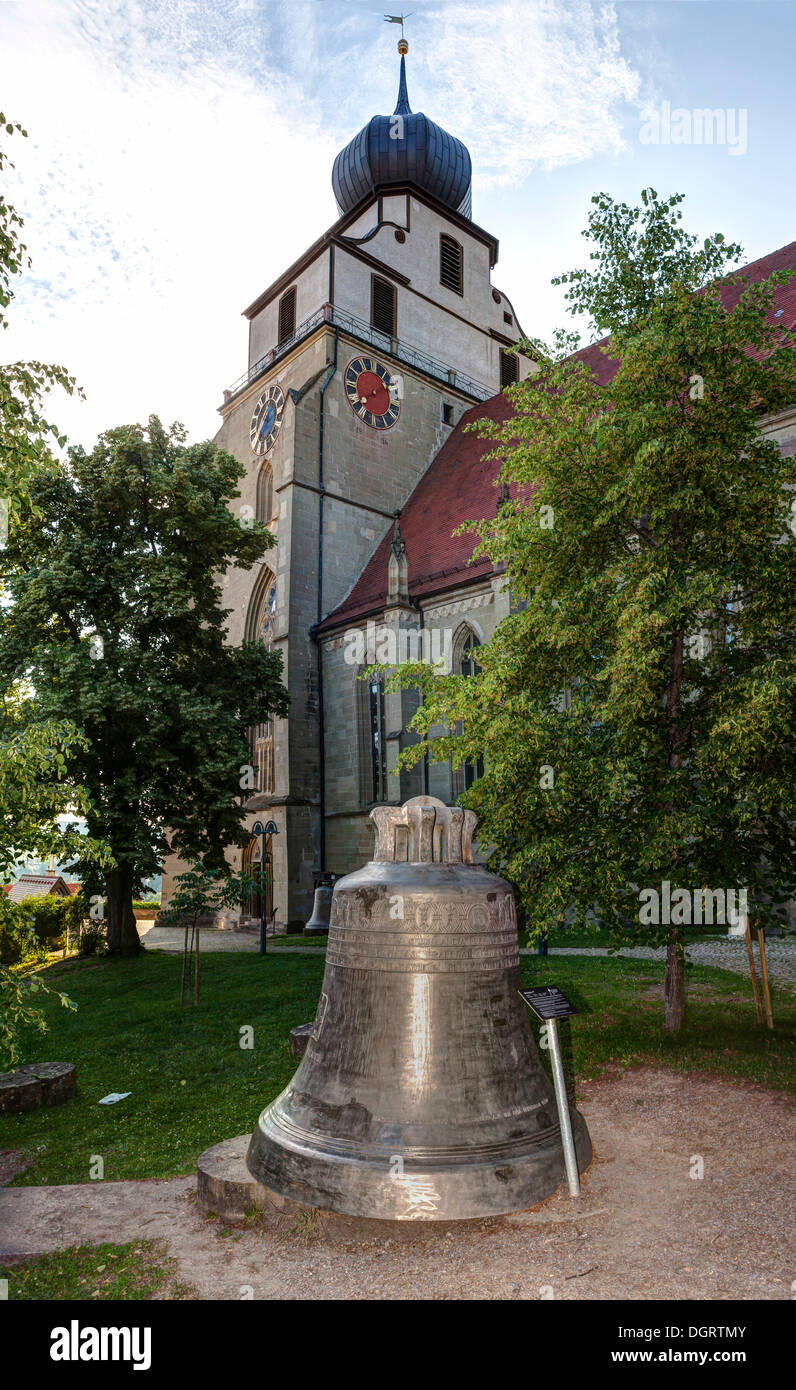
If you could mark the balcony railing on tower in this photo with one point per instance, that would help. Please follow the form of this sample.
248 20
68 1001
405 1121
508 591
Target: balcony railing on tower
365 333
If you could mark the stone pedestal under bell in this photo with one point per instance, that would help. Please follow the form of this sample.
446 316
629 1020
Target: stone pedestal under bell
421 1094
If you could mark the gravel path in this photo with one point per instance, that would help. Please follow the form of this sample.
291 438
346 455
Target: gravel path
642 1229
171 939
727 954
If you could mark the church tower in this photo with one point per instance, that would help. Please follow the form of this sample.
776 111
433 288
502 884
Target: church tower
363 356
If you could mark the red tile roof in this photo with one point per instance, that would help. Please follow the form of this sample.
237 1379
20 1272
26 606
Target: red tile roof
37 886
460 483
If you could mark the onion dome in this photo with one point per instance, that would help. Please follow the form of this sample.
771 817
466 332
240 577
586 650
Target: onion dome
404 148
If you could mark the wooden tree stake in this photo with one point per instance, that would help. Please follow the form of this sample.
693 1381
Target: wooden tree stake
753 972
184 959
761 942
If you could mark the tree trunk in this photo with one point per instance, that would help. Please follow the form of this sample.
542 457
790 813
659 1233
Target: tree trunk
122 931
674 983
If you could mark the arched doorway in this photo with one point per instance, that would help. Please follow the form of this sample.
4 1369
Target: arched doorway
252 865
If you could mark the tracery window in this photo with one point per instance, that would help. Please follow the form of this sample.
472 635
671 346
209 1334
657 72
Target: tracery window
465 663
268 616
373 783
262 735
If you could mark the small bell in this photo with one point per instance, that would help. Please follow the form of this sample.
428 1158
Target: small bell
318 925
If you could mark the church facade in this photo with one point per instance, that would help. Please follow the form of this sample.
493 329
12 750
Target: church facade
368 359
364 358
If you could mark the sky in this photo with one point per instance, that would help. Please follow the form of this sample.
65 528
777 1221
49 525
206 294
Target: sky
179 157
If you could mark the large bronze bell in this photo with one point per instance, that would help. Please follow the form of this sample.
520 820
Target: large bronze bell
421 1094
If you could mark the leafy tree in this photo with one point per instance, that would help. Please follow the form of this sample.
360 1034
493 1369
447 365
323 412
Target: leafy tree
115 619
19 997
200 892
642 254
26 435
32 790
32 755
637 709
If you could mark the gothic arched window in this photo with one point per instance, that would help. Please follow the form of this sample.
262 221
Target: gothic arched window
372 740
265 494
262 627
468 665
465 663
267 620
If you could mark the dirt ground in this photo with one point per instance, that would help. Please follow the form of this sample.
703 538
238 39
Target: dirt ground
643 1228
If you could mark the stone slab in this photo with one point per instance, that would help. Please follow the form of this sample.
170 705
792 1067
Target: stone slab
299 1037
225 1187
36 1084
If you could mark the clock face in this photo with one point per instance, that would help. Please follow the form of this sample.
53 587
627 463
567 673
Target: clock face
372 392
267 420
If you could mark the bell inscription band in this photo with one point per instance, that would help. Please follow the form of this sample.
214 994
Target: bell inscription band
421 1094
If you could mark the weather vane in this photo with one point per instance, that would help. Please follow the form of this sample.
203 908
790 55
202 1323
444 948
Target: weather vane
398 19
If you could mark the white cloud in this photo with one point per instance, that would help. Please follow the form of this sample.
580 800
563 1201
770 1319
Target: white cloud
162 190
530 83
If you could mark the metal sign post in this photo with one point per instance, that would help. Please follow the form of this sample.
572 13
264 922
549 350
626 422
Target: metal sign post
549 1005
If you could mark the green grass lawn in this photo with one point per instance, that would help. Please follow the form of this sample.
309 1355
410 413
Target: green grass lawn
138 1270
193 1085
276 943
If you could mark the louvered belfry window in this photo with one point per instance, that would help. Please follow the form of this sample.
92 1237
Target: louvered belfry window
382 305
451 264
509 369
287 315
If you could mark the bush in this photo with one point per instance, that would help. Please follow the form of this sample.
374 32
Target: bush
74 915
151 904
92 940
19 943
49 916
19 1011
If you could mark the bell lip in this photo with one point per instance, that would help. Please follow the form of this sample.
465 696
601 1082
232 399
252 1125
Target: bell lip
454 1192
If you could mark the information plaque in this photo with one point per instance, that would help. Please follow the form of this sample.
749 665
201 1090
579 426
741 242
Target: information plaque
549 1005
547 1001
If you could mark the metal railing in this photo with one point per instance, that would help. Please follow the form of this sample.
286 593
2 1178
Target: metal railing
366 333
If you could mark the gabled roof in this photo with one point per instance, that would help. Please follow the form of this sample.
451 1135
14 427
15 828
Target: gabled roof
335 235
37 886
460 483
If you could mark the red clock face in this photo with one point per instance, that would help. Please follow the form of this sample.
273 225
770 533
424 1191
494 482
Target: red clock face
373 393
